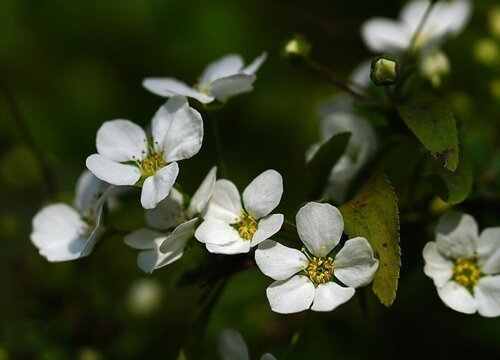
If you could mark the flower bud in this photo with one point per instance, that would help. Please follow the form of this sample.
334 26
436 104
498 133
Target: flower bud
296 50
435 66
384 71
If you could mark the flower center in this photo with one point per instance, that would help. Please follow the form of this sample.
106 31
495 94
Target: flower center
466 272
246 225
320 270
204 89
152 163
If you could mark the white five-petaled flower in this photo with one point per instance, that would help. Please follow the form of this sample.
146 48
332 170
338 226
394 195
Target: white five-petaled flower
233 347
62 232
305 278
231 227
464 265
220 80
125 157
176 223
446 19
361 147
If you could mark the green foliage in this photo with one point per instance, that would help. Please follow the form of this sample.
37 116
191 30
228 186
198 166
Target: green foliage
453 187
433 123
319 167
373 214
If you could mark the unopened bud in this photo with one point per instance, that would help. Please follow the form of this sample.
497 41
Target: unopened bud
296 50
384 71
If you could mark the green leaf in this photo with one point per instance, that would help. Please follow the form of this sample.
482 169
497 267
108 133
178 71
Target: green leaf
320 166
373 214
433 123
453 187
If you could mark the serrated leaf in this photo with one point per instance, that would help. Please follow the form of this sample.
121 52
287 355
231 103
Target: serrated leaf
433 123
453 187
373 214
321 164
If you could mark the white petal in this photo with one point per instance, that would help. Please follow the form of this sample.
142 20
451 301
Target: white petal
279 262
413 12
184 136
240 246
330 295
58 232
121 140
215 231
292 295
148 260
232 346
201 197
437 267
456 235
457 297
355 264
168 87
225 203
268 356
360 75
320 227
263 194
488 250
176 241
226 66
487 293
88 189
232 85
255 65
267 227
112 172
383 35
157 187
144 239
163 118
168 213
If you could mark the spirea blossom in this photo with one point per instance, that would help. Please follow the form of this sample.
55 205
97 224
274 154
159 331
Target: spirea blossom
232 226
220 80
174 224
125 155
464 265
447 18
62 232
308 278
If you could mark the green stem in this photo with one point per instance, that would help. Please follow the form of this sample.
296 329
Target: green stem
295 337
336 79
218 146
420 26
29 140
192 347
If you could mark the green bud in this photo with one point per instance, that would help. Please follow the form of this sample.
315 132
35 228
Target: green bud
296 50
384 71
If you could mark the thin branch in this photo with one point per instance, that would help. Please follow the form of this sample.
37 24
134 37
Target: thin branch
28 138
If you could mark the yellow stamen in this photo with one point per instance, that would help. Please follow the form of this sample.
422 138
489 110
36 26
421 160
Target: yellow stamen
246 225
320 270
152 163
466 272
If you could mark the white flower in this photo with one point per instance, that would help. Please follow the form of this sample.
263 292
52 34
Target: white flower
305 278
160 248
126 158
446 19
434 67
221 79
361 147
465 266
232 228
233 347
62 232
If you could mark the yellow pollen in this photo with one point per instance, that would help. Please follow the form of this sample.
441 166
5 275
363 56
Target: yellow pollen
151 164
246 226
203 89
320 270
466 272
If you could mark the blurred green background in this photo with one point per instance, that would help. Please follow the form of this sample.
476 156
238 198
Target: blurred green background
72 65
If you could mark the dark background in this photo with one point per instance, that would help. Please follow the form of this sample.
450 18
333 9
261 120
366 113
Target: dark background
72 65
